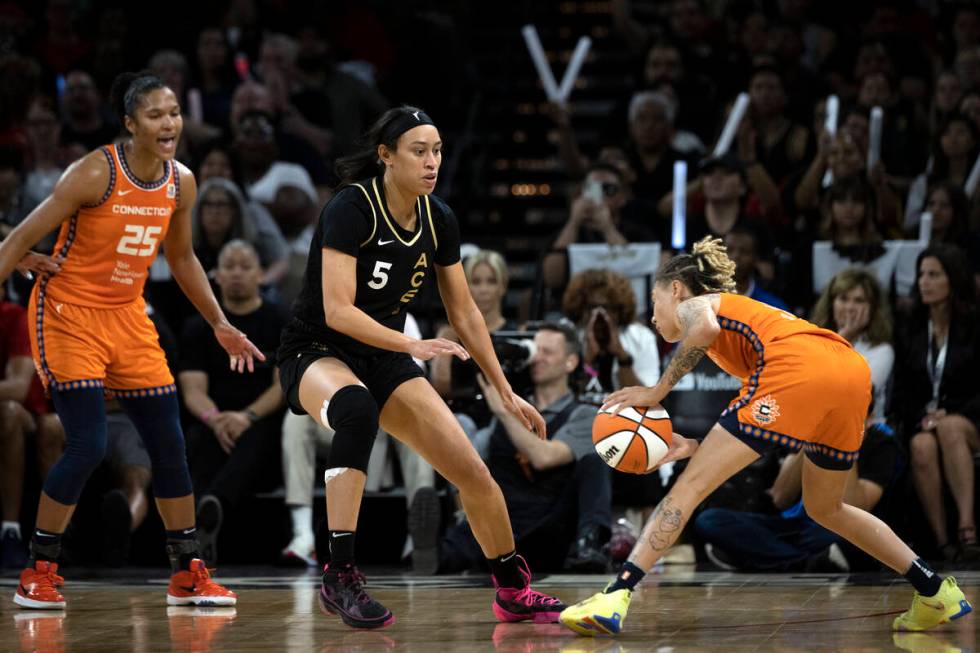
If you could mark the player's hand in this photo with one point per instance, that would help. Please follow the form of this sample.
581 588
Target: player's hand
34 264
491 396
634 396
680 448
242 353
426 350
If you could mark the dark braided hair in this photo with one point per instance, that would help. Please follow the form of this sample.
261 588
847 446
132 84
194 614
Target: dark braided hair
707 269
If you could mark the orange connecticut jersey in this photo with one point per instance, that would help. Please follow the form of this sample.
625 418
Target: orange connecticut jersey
109 246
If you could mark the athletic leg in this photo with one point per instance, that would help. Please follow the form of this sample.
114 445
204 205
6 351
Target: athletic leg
823 494
157 419
82 411
331 394
718 458
417 416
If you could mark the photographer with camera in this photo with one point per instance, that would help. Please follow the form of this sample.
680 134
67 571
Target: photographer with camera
558 491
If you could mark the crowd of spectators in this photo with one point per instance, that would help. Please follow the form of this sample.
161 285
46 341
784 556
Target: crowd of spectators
816 226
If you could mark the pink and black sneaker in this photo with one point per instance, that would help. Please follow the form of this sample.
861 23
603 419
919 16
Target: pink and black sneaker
342 593
524 603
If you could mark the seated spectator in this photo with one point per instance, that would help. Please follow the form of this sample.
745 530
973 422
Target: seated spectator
214 76
790 540
845 155
217 161
44 138
303 438
946 96
618 350
221 215
649 149
937 395
724 187
486 273
742 243
854 305
949 207
557 490
252 97
956 148
288 193
85 118
233 445
24 413
602 212
849 224
782 147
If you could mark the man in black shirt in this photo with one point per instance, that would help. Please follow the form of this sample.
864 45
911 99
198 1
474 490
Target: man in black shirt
558 491
233 445
604 212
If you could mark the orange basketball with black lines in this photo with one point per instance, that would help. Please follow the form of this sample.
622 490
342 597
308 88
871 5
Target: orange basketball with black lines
633 441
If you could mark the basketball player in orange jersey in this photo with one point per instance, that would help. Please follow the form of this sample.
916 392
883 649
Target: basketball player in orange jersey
803 387
346 362
90 334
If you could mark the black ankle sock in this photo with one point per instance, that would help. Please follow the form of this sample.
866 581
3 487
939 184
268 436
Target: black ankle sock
925 581
45 546
627 579
341 548
504 568
182 548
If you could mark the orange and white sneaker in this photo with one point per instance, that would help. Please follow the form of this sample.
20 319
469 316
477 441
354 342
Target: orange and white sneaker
195 587
38 588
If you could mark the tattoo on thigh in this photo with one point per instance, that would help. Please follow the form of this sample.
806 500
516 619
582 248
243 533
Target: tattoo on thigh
667 520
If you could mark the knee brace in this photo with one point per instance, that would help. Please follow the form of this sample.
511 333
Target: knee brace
157 419
353 415
82 412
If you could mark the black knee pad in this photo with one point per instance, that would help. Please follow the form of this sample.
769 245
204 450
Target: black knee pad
353 415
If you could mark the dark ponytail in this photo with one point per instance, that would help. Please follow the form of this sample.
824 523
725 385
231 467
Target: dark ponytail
128 90
365 162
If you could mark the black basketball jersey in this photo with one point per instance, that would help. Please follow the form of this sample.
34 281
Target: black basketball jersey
393 264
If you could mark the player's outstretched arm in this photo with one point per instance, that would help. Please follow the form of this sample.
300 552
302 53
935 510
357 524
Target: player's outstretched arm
84 182
468 322
190 276
699 328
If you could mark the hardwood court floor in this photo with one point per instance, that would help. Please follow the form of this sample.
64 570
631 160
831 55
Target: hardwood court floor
681 610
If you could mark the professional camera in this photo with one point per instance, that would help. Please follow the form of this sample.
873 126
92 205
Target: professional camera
514 350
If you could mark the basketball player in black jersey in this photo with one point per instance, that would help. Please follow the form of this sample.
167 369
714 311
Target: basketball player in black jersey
345 361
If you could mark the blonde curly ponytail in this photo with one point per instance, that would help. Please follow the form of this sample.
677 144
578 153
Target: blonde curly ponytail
707 269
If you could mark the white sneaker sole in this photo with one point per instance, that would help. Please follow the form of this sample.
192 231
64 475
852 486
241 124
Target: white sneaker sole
201 600
25 602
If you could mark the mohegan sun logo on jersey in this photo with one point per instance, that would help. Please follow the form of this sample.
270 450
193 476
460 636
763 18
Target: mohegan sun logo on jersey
765 410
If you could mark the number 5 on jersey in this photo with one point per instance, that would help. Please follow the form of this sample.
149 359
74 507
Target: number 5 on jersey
380 275
140 240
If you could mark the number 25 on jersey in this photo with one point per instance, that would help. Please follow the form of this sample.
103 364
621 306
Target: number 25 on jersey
142 241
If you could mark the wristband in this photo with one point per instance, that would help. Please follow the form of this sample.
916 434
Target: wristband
209 413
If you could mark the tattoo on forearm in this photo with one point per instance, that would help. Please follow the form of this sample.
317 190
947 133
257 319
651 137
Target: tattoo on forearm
683 362
665 522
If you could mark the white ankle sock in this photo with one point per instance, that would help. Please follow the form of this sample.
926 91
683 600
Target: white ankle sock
302 521
10 526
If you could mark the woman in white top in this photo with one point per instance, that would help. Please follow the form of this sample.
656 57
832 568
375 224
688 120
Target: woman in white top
854 305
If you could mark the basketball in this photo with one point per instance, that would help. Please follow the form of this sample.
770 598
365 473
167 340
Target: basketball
633 441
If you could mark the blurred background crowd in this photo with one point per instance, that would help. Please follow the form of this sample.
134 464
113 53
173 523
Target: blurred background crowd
565 209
